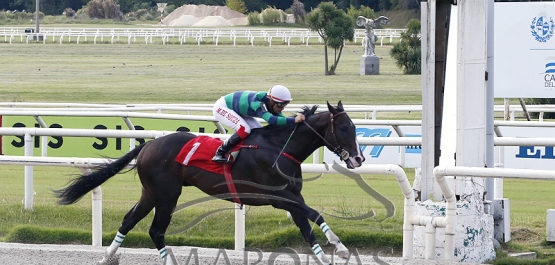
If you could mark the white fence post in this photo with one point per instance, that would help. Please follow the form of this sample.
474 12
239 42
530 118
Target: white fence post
96 216
96 212
29 192
239 227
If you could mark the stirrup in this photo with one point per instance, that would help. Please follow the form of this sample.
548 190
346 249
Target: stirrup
221 159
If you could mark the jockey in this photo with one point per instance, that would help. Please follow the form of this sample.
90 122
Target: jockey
238 110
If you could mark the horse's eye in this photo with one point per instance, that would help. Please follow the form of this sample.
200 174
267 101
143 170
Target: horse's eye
344 128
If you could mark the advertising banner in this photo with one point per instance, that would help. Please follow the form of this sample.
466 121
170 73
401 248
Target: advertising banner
524 55
91 146
528 157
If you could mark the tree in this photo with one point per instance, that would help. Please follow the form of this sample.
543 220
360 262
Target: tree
334 27
237 5
103 9
298 11
407 52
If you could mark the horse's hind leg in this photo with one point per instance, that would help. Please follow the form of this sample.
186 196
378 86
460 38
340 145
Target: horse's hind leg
136 214
164 208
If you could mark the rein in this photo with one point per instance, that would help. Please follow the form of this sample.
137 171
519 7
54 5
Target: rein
342 153
285 154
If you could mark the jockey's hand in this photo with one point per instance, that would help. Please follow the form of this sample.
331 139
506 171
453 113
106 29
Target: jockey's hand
299 118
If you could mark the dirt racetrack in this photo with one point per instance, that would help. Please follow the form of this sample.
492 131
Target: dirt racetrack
39 254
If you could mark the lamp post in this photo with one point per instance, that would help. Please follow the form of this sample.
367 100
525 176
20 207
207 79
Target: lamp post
37 19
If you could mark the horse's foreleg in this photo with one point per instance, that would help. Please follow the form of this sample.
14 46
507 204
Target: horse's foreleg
315 217
300 213
304 227
340 249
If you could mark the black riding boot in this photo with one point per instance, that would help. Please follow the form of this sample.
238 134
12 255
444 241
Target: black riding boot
226 146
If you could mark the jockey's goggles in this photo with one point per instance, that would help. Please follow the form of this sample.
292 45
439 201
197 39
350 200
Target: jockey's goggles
282 104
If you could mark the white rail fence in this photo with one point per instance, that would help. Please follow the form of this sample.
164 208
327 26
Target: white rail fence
178 35
370 111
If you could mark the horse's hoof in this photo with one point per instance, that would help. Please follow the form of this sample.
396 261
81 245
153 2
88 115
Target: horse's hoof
113 260
324 259
344 254
341 251
170 257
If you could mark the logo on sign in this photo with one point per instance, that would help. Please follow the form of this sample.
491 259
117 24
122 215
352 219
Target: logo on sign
542 28
549 75
535 153
365 132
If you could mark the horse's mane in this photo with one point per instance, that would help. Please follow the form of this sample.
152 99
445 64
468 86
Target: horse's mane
309 111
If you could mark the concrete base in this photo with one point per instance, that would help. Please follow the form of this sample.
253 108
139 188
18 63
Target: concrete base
369 65
473 233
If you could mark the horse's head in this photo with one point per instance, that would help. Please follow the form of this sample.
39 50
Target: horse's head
338 132
342 136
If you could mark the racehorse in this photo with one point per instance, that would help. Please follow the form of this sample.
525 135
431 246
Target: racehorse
267 171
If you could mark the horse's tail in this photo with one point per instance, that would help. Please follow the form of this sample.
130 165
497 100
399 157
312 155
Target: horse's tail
81 185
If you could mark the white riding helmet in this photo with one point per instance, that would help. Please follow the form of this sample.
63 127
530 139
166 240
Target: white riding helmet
279 93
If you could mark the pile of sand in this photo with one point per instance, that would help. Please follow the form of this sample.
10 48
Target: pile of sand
204 16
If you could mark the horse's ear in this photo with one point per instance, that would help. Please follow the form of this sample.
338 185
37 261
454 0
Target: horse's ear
340 106
331 108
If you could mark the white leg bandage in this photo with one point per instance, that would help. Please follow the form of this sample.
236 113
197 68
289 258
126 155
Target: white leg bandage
118 239
167 256
332 238
319 252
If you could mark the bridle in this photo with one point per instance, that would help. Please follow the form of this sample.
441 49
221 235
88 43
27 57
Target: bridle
337 149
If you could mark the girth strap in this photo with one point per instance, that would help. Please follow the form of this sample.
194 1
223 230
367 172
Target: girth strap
230 184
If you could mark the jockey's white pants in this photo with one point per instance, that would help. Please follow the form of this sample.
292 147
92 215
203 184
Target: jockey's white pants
232 119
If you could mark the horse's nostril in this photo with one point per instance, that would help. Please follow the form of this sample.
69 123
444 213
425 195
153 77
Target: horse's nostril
360 160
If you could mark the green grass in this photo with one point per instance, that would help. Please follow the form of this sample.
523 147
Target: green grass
194 74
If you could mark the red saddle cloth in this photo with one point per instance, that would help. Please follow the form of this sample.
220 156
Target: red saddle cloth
199 152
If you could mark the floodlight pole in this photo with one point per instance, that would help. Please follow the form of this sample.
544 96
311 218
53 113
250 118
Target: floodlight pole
37 18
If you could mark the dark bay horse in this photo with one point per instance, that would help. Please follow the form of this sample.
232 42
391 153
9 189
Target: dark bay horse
267 175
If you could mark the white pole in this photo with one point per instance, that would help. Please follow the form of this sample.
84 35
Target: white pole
430 248
490 133
239 227
29 193
96 216
428 32
37 17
